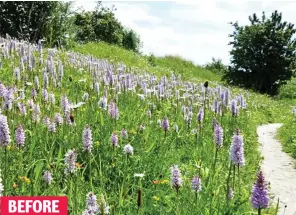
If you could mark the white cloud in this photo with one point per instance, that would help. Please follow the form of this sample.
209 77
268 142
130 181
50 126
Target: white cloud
136 14
196 30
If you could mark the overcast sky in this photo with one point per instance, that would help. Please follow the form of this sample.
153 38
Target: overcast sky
196 29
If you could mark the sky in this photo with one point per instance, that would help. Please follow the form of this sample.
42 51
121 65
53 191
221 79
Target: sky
194 29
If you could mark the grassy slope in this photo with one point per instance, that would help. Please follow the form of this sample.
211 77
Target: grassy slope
287 96
287 131
263 109
116 179
112 172
164 65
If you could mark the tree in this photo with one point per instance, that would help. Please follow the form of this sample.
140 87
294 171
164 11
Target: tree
85 30
106 27
263 53
131 40
99 25
102 25
60 27
216 66
25 20
34 20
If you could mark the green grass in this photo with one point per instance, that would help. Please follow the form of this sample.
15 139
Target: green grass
287 97
288 91
108 170
113 53
288 138
269 110
163 65
262 108
287 131
267 107
186 68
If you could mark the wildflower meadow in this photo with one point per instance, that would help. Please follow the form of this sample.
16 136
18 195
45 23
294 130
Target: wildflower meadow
117 139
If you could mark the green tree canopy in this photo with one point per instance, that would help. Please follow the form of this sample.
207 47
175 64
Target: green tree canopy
34 20
217 66
263 53
102 25
131 40
59 25
26 20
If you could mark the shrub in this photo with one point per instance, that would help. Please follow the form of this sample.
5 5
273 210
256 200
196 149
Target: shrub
288 91
216 66
263 53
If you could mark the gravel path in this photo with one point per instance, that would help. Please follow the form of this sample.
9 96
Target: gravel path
278 168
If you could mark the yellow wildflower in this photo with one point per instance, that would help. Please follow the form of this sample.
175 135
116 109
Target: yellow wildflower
133 131
14 185
78 165
160 181
156 198
164 182
27 180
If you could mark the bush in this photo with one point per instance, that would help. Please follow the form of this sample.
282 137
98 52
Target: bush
35 20
288 91
263 54
26 20
57 25
102 25
216 66
131 40
151 59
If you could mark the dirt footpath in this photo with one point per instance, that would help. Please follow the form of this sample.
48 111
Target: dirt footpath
278 168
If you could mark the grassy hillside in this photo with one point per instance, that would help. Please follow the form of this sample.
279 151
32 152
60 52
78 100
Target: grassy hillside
265 109
165 65
287 131
69 126
158 65
287 97
288 91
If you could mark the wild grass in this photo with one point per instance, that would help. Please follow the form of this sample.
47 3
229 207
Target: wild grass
287 131
160 66
108 170
288 91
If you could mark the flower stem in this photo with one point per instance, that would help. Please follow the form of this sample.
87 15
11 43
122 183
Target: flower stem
205 97
211 204
233 184
228 181
90 171
239 190
214 166
75 195
5 172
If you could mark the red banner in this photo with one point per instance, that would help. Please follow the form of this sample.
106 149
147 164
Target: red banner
33 205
